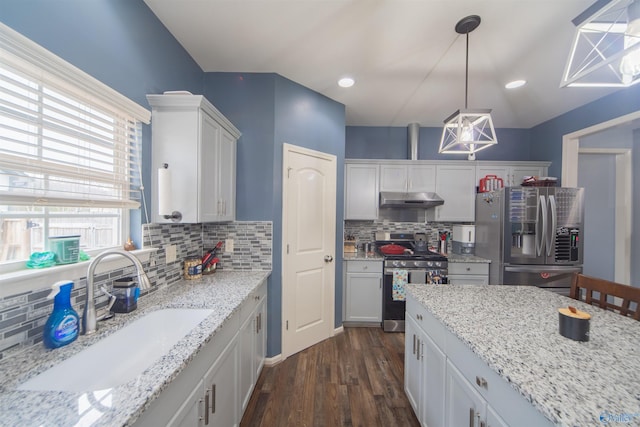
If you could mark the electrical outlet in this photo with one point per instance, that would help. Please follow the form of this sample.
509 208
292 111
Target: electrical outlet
170 253
228 245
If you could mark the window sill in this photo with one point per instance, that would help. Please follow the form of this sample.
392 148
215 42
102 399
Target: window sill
30 280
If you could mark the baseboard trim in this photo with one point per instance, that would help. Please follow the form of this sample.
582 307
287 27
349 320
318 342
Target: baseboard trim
338 330
272 361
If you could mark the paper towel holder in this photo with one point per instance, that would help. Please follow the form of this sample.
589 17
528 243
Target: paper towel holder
164 195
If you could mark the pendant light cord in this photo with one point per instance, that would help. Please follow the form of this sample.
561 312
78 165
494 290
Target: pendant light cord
466 76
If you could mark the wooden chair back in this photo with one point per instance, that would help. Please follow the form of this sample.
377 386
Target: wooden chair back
605 288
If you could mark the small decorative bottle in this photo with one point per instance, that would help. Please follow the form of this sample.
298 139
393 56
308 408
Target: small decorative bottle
63 324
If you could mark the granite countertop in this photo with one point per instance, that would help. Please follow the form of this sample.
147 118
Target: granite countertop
467 258
514 330
223 292
362 256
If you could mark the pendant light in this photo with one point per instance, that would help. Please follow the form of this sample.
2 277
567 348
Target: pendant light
606 46
467 131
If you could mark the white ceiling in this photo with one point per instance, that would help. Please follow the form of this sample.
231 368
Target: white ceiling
405 55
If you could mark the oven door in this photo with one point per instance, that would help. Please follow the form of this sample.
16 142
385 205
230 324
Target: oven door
393 310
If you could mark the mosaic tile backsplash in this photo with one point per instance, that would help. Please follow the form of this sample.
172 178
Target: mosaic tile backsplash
364 231
22 316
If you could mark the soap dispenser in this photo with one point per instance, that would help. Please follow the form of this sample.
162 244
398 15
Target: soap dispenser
63 324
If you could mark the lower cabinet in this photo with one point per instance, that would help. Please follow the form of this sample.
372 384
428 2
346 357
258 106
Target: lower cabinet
449 385
468 273
465 406
424 375
363 292
214 389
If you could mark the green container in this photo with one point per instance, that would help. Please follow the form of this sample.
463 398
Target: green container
66 248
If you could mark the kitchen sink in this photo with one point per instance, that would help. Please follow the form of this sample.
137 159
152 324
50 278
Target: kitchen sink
121 356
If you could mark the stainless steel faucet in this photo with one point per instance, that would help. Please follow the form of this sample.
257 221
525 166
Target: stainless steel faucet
89 321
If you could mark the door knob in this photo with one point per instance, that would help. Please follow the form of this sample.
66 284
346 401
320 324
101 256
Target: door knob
328 258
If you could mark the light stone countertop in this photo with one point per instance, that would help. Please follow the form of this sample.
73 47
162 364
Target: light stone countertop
362 256
223 292
514 330
467 258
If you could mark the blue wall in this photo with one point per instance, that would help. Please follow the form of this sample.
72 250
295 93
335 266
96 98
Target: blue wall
124 45
546 138
368 142
271 110
119 42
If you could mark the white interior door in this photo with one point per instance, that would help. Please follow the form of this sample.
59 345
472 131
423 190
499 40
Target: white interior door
309 227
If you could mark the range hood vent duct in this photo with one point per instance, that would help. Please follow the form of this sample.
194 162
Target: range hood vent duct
422 200
413 131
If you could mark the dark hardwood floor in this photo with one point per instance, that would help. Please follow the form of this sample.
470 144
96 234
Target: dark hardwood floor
353 379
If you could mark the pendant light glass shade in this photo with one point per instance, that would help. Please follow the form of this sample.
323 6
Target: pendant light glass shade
470 130
606 46
467 132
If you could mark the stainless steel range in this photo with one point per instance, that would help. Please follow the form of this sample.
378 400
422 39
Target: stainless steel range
417 264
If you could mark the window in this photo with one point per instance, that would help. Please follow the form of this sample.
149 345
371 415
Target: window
69 153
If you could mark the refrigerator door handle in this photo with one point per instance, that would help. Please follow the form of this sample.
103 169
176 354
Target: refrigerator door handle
554 223
542 269
541 228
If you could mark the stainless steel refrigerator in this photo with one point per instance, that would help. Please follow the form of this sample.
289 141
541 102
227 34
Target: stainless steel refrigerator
532 235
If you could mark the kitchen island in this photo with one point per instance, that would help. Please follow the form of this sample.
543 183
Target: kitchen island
223 292
512 332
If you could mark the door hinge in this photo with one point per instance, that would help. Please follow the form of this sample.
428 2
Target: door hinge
287 248
289 172
287 325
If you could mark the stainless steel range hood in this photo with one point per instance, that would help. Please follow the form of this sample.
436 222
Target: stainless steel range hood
421 200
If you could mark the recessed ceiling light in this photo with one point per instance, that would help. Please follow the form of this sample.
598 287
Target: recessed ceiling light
516 83
346 82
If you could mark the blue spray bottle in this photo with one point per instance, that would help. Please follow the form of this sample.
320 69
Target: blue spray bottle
63 324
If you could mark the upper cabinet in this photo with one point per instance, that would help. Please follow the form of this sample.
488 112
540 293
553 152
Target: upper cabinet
511 174
454 181
398 177
199 146
455 184
361 191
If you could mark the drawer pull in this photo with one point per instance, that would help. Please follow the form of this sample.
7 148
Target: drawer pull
482 382
206 408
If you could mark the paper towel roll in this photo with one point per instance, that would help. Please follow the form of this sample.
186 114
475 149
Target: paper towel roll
164 192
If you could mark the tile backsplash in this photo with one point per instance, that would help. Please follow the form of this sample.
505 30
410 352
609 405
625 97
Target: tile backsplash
364 231
22 316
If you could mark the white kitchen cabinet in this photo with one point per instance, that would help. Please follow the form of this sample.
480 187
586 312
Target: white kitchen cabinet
363 292
361 191
468 273
425 368
199 146
449 385
214 388
252 343
407 177
511 173
455 184
465 406
221 388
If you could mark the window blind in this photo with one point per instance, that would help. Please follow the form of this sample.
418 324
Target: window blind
66 139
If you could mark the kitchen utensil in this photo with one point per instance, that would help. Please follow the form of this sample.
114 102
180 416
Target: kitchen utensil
392 249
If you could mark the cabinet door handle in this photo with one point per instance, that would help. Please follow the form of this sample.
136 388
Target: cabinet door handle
483 424
414 343
482 382
418 351
206 408
471 417
257 325
380 280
